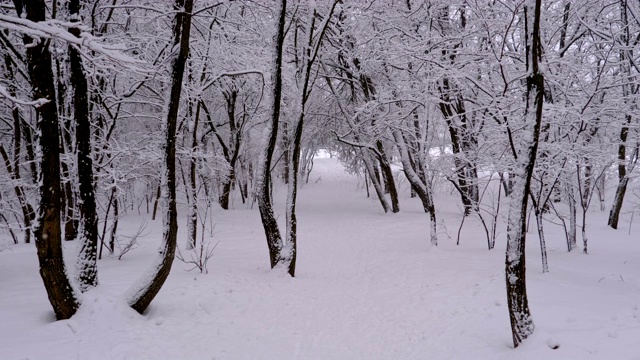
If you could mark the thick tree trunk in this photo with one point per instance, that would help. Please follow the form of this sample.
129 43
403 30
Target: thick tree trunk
515 266
265 203
147 287
47 231
86 265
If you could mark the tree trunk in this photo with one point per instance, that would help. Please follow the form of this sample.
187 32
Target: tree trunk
543 244
515 267
47 230
155 202
614 214
70 222
86 265
192 221
374 177
421 187
265 203
141 294
114 222
387 174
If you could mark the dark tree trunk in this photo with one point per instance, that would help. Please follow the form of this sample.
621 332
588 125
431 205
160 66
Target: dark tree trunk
143 292
286 157
114 222
265 204
515 266
155 202
289 252
621 189
387 174
86 266
47 231
616 207
231 152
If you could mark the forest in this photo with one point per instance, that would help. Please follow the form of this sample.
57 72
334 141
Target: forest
150 149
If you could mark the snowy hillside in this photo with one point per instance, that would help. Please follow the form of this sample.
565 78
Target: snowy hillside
368 286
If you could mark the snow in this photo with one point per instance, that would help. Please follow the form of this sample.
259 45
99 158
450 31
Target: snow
368 286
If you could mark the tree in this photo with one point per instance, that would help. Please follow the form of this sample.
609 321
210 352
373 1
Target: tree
140 295
47 231
86 264
515 267
265 203
630 88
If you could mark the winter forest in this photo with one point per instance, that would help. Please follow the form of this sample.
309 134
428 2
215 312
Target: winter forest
319 179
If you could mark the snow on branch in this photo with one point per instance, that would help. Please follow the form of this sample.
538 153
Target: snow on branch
35 103
53 29
209 83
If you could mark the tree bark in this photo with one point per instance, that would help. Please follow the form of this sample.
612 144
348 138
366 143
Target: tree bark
616 207
265 203
192 221
48 235
522 325
86 265
147 287
387 175
515 266
419 186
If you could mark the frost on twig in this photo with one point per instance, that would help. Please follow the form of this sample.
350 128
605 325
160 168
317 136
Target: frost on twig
130 242
199 256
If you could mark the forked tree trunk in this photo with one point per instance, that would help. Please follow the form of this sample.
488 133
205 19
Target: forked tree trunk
141 294
86 265
420 186
48 235
289 251
373 176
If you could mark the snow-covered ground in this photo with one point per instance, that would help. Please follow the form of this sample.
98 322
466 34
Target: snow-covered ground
368 286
